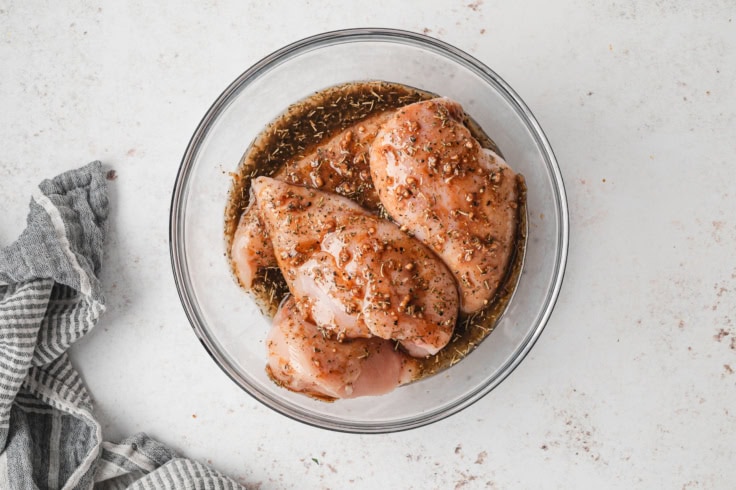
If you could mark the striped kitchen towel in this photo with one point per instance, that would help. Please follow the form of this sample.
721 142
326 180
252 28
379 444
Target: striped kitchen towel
50 296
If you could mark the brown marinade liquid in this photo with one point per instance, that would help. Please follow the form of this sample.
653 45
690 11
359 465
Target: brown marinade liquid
308 123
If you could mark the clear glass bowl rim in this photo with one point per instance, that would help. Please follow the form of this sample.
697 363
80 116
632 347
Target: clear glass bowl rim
176 228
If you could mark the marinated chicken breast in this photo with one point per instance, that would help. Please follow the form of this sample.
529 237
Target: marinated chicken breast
354 274
302 359
435 180
251 248
339 165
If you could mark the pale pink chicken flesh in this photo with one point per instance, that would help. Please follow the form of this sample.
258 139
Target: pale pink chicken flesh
251 248
339 165
354 274
435 180
302 359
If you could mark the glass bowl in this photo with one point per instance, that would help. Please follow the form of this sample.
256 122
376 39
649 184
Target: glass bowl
227 320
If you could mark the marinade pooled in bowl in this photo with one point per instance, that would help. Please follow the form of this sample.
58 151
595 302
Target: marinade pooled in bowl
342 111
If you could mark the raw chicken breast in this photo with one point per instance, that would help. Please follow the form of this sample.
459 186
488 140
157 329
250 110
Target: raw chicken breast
301 359
339 165
354 274
251 249
436 181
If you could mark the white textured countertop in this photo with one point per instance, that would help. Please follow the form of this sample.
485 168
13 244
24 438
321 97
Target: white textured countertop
633 382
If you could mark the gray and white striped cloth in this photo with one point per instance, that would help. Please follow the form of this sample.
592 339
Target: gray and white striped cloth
50 296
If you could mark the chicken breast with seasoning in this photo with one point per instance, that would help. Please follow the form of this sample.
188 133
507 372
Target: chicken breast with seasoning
437 182
354 274
339 165
251 249
302 359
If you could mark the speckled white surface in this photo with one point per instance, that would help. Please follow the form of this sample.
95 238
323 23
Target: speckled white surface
632 384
